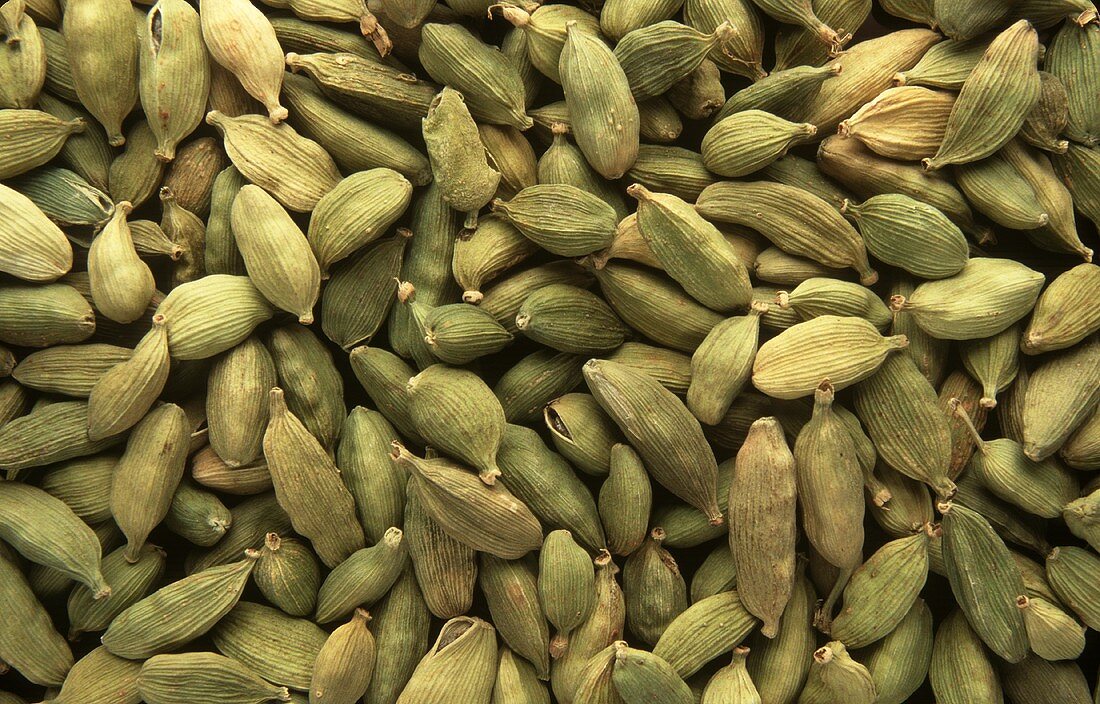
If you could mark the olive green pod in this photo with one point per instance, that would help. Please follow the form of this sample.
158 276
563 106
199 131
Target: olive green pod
722 364
699 94
907 233
1072 58
279 648
486 518
992 361
995 99
166 678
400 628
835 676
208 470
691 250
241 39
1082 517
100 678
253 519
459 160
68 370
742 53
51 433
175 73
122 284
511 593
818 296
960 387
27 57
510 153
563 163
570 319
358 297
1072 572
457 413
345 220
670 441
363 578
377 486
762 538
64 197
682 48
276 253
287 574
86 153
830 484
1001 193
961 669
157 623
516 681
535 381
123 395
33 138
793 219
236 402
620 17
197 515
1035 679
705 630
482 254
503 299
294 169
786 94
211 315
793 364
581 431
1048 119
561 218
961 20
308 485
984 298
545 29
882 591
856 167
345 663
945 65
148 474
1060 396
625 500
985 581
1059 234
566 584
672 369
654 590
383 375
640 676
314 388
868 68
745 142
31 248
84 485
1059 320
546 483
602 627
462 663
354 143
136 173
796 46
456 333
1051 632
898 395
386 94
604 114
220 255
28 641
899 662
104 61
61 541
488 81
715 575
445 569
673 170
1023 529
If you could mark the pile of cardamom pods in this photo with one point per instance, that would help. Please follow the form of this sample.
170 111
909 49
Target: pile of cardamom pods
472 352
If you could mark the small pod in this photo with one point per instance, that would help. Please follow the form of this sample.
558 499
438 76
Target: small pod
241 39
